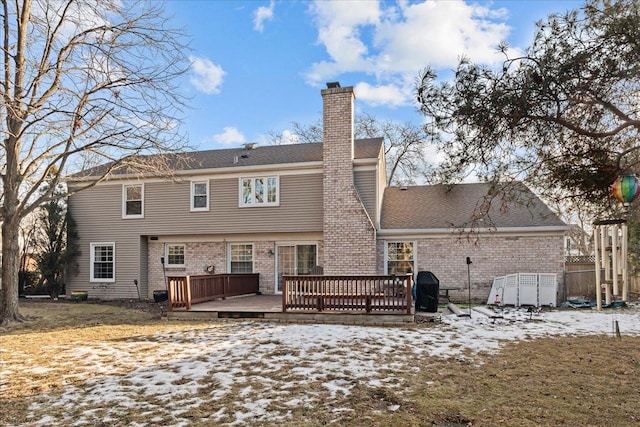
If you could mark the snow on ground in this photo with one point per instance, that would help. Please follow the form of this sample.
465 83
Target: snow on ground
230 372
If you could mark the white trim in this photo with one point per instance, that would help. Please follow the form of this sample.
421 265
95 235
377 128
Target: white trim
235 238
92 246
414 243
253 178
253 253
448 232
279 244
166 255
301 168
191 199
124 201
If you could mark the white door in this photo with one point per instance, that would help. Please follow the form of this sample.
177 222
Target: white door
294 259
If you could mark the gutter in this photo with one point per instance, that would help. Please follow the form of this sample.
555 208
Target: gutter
437 232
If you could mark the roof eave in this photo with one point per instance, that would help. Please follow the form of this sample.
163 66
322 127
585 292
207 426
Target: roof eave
530 230
207 171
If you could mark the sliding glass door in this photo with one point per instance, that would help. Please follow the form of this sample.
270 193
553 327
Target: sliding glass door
292 259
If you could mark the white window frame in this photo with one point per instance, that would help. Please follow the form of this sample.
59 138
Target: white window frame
166 255
252 198
124 201
386 254
92 277
230 255
193 196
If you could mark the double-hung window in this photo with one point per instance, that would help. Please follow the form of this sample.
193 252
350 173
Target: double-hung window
400 257
133 201
103 259
259 191
241 257
175 255
200 195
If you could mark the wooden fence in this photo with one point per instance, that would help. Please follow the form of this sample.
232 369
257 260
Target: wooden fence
370 294
187 290
580 281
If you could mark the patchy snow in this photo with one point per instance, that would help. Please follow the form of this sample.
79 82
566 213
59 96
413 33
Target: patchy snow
231 373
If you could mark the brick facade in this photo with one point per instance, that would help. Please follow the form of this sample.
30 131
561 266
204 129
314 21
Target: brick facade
199 255
349 234
491 256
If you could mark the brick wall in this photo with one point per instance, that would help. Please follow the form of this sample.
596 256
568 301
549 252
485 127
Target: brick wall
491 256
349 235
198 255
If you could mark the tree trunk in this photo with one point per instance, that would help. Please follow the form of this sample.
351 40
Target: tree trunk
10 259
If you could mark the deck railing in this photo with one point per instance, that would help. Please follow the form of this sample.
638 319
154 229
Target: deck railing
187 290
370 294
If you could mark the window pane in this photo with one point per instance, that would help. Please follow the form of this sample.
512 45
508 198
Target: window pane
200 202
134 192
271 190
200 195
246 190
103 262
134 208
133 205
200 189
175 255
259 182
306 258
242 258
399 257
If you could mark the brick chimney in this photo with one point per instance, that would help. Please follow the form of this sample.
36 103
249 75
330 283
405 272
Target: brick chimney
349 234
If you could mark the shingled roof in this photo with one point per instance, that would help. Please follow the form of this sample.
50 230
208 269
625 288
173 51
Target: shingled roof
463 206
258 156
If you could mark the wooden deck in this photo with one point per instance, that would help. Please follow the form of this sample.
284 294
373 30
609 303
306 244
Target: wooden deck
269 308
375 299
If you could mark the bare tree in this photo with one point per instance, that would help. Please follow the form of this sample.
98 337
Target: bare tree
407 146
85 82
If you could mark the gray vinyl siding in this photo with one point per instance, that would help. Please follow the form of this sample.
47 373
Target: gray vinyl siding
98 213
365 182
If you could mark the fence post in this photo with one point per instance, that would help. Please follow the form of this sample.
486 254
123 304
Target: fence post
284 293
187 293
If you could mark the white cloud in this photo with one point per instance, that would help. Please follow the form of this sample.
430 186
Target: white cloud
263 14
229 136
395 42
389 95
206 76
289 137
439 33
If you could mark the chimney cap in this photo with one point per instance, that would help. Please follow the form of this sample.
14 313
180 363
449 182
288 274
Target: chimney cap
333 85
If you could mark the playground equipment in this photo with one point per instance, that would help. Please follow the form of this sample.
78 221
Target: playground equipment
610 240
610 248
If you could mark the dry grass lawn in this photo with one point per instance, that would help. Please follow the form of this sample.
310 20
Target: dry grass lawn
578 381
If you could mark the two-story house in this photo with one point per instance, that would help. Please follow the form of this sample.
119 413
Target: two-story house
297 209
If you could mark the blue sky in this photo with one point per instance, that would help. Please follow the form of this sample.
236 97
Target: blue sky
258 66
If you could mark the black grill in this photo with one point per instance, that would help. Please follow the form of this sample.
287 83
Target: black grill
427 291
